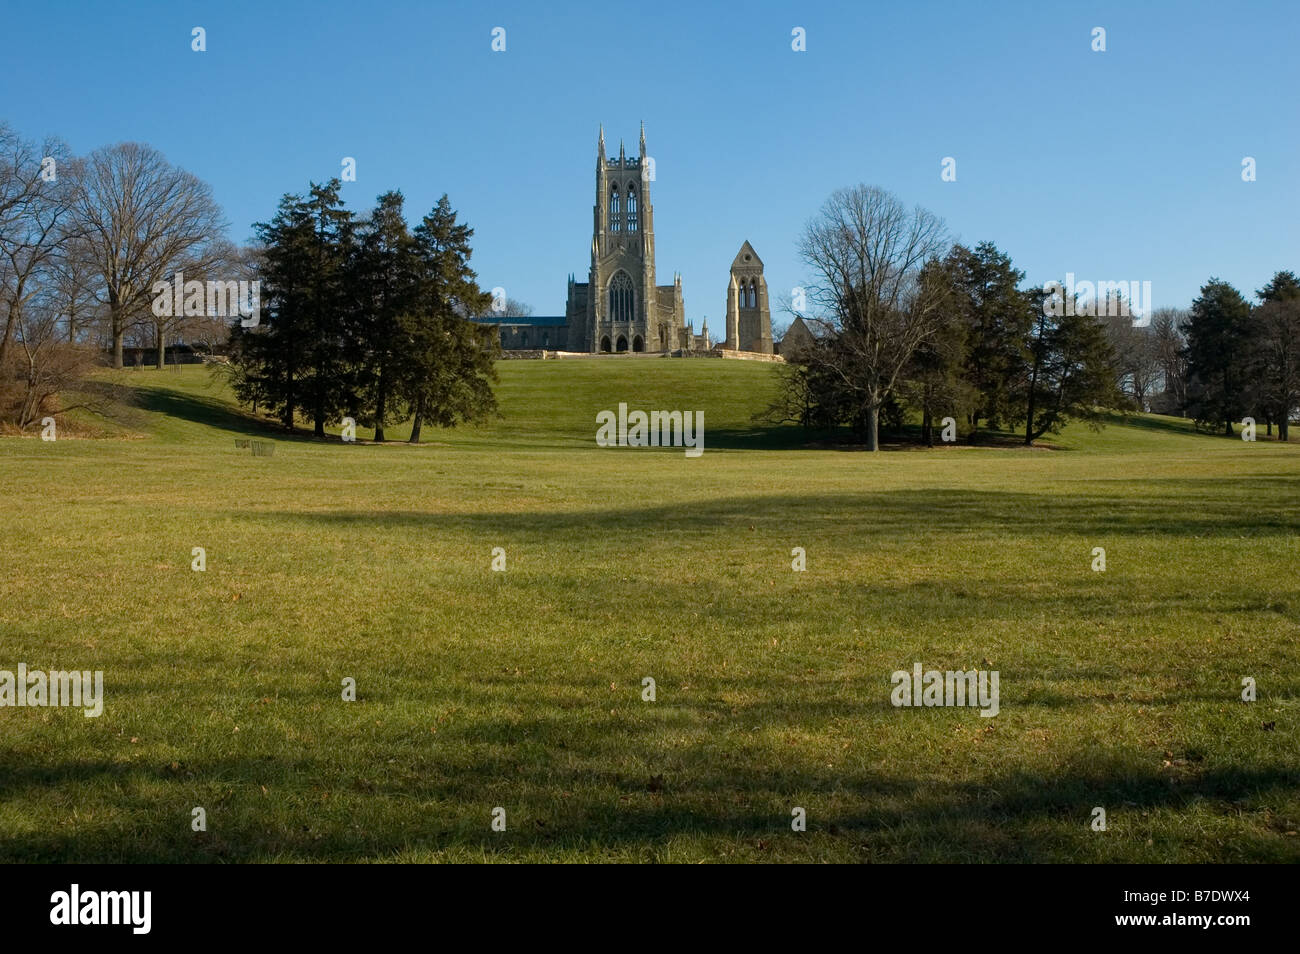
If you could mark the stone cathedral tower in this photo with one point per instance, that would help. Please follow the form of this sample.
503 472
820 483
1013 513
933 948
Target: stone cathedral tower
749 320
620 308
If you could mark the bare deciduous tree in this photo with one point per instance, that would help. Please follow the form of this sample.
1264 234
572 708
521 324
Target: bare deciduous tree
1171 355
868 253
37 189
143 219
1137 355
49 364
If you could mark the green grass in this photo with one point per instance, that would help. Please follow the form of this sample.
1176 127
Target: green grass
522 689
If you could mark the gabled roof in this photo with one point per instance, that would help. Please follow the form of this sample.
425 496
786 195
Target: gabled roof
798 328
741 262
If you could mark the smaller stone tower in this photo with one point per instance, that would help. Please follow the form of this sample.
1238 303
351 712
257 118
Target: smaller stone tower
749 318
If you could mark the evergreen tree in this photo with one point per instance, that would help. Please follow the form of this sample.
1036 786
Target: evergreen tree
448 361
1218 355
934 382
266 360
1000 321
385 283
1276 333
1072 368
294 360
325 370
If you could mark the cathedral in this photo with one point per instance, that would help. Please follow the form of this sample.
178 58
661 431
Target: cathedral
620 308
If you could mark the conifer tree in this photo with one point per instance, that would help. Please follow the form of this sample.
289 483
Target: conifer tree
447 367
1218 355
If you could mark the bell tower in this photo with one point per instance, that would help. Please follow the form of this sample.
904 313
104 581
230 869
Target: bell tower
622 300
749 319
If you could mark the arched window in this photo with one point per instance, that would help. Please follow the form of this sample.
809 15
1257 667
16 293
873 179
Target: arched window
604 344
622 344
621 297
753 293
613 210
631 208
638 344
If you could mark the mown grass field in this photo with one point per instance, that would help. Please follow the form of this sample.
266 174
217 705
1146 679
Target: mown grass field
522 689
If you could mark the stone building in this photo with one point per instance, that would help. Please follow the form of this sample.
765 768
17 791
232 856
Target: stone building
798 339
620 307
749 318
532 333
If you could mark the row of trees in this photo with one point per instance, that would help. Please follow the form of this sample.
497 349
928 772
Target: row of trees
1243 360
905 319
364 317
1220 361
82 242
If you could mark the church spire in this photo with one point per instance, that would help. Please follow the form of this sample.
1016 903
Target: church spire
620 152
601 151
643 139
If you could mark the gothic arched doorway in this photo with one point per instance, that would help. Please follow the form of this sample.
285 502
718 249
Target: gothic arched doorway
604 344
622 344
638 344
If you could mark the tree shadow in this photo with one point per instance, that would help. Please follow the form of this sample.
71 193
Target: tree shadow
900 515
305 808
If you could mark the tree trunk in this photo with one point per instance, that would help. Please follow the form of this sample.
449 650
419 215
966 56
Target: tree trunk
1283 428
927 428
1227 428
161 342
873 428
381 402
318 428
117 340
419 420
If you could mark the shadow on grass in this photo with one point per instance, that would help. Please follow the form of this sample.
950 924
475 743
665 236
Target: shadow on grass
724 762
304 809
901 515
214 413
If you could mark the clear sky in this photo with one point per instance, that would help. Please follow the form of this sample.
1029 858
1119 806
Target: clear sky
1122 165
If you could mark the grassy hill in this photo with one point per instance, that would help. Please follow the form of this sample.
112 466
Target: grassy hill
523 689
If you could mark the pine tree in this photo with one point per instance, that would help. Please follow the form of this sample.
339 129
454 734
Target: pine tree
1072 368
448 361
325 371
265 360
295 359
384 281
999 320
1218 355
1276 333
934 381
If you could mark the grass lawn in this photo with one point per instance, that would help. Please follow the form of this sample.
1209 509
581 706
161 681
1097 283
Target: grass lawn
522 689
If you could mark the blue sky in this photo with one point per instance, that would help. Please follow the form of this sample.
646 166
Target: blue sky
1122 165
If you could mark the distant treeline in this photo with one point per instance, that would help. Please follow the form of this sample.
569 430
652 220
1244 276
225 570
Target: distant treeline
903 320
